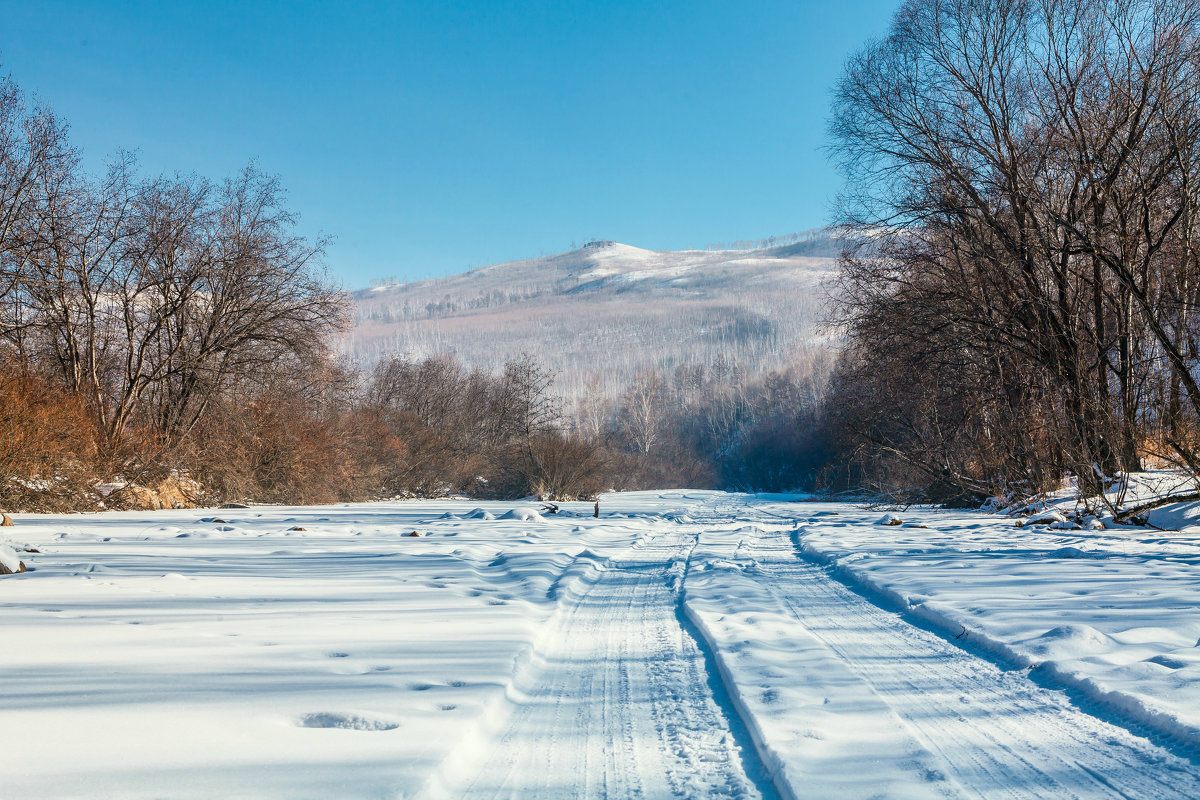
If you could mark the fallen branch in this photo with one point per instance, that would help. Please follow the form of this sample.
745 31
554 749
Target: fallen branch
1130 513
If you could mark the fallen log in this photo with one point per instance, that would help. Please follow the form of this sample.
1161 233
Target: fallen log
1138 510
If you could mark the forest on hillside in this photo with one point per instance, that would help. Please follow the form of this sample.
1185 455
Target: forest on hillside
599 315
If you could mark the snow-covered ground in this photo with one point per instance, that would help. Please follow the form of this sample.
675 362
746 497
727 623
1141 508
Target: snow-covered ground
685 644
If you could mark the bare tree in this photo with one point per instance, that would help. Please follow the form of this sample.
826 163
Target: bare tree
1022 171
643 410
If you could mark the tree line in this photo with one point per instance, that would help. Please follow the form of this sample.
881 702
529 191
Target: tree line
179 327
716 425
1022 179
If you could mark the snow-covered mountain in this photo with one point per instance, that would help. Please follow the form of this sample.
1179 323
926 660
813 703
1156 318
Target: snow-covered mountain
606 310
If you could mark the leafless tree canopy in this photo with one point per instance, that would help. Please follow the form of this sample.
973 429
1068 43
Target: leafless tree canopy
149 300
1025 175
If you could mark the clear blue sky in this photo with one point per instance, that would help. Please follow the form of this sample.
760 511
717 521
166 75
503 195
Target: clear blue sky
429 136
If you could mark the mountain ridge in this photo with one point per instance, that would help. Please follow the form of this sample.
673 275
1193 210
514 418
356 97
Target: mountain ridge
607 310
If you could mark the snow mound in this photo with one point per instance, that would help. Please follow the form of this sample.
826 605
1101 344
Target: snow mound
1070 642
1170 662
479 513
524 513
1070 552
1049 517
720 563
889 519
10 559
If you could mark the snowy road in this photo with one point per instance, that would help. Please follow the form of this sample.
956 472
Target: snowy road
685 645
616 699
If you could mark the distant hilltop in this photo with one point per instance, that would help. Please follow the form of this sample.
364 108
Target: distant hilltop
601 312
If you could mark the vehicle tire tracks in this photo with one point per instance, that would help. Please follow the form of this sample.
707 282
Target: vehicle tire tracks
1000 734
616 699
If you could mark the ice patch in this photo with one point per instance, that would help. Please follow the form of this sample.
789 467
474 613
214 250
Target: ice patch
348 722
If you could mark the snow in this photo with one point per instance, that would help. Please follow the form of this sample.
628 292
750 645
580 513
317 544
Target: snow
9 558
1097 611
1183 517
105 489
684 644
813 718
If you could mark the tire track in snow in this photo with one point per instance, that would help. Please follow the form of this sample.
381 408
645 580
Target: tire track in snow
615 700
999 733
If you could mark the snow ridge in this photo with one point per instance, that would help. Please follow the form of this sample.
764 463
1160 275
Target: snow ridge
727 692
1127 710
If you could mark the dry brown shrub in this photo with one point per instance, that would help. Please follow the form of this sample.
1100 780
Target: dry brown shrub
284 450
48 443
551 466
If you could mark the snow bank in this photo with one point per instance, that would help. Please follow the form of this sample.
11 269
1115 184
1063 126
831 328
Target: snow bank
813 721
1182 517
1092 611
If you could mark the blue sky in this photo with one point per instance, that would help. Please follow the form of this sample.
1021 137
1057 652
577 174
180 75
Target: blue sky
429 137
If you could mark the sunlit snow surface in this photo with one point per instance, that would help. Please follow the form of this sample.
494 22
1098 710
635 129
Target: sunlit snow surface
685 644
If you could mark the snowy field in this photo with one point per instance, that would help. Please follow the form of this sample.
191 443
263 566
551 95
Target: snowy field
684 645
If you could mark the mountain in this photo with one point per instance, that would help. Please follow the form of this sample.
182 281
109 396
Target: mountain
602 312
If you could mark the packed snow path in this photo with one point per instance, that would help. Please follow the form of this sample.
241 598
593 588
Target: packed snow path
684 645
616 699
